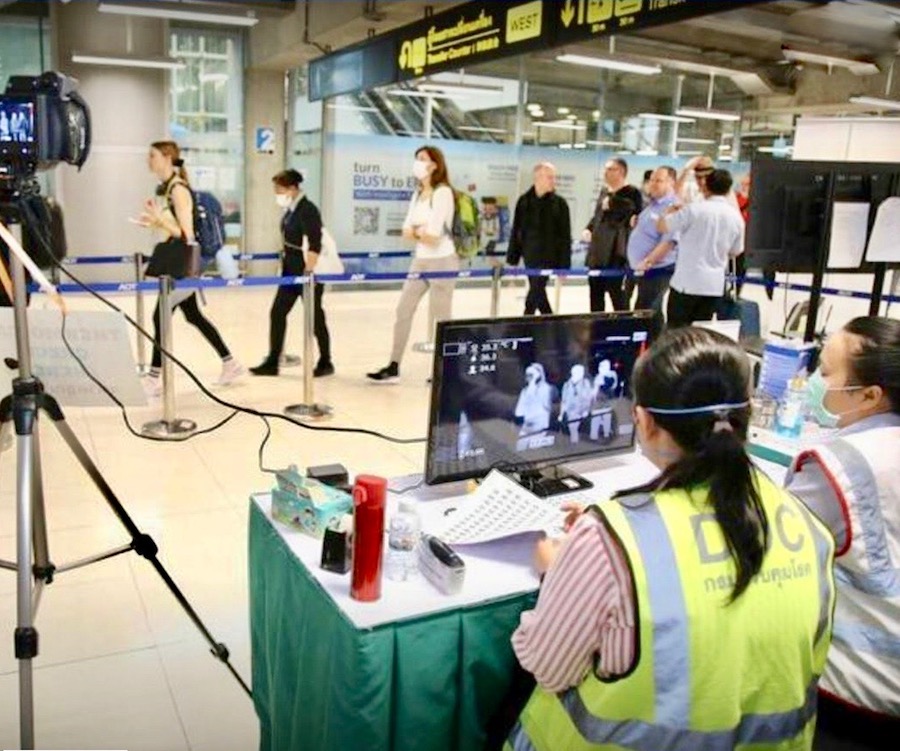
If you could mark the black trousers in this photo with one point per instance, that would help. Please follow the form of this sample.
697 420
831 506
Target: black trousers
536 299
684 309
195 317
600 286
651 290
284 301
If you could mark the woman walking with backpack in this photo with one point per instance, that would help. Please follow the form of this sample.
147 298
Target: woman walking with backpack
174 216
428 222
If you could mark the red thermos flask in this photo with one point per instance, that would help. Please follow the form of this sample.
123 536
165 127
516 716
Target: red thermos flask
369 498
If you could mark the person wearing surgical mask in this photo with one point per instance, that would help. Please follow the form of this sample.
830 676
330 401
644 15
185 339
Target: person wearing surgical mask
428 224
692 611
852 483
605 387
534 407
300 220
577 398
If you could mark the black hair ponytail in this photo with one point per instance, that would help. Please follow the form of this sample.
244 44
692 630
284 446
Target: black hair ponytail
690 368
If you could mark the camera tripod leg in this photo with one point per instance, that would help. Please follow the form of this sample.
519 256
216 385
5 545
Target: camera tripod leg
43 568
141 543
26 636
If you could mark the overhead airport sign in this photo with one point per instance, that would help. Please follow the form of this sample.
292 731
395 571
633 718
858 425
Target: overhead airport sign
479 31
578 20
469 34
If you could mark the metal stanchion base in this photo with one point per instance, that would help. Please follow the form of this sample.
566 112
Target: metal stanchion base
310 411
290 361
423 347
169 429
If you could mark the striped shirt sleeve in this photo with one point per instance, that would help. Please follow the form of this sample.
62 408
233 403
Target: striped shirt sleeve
585 606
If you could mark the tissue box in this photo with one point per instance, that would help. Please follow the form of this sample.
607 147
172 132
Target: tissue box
307 504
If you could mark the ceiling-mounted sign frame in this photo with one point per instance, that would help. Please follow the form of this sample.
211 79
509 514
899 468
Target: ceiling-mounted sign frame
579 20
472 33
480 31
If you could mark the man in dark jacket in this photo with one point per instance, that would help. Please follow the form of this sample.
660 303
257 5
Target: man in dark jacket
541 235
607 233
301 219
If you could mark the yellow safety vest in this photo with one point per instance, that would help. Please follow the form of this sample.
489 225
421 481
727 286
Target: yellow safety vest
709 676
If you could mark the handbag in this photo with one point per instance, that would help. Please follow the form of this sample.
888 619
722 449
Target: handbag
175 258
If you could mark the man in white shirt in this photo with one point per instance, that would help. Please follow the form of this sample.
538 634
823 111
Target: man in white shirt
709 233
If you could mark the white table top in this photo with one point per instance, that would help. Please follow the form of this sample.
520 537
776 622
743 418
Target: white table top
812 435
494 570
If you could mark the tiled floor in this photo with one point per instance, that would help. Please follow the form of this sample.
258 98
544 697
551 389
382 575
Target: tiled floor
120 664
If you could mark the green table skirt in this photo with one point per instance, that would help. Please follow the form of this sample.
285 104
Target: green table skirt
320 684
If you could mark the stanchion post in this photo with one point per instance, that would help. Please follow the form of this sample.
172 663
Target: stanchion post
496 273
165 340
557 292
309 409
170 427
309 312
140 312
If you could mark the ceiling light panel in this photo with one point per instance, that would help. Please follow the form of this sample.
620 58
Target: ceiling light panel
157 10
667 118
611 64
127 61
857 67
710 114
876 102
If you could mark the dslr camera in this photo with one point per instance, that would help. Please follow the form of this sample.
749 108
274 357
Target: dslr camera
43 121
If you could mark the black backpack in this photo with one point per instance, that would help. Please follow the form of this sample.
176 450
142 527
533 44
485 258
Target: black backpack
209 222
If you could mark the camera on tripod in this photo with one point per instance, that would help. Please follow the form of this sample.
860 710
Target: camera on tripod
43 121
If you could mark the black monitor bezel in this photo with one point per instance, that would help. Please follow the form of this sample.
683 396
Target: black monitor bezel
653 331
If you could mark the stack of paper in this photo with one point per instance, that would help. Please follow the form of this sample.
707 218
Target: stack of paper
502 508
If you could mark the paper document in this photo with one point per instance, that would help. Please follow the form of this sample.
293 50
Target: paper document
849 227
502 508
884 244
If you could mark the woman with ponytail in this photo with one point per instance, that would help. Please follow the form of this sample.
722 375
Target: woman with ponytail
692 612
852 482
174 217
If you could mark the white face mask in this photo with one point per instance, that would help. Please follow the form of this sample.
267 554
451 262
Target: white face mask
283 200
420 169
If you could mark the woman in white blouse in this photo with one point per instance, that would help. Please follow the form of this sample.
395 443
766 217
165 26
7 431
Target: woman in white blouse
428 222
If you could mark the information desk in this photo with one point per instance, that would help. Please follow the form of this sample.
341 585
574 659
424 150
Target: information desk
416 670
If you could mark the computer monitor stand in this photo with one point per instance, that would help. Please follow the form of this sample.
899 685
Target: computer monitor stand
551 481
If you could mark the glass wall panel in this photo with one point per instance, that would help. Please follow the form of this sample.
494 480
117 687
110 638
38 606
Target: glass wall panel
24 47
25 51
495 121
305 137
207 115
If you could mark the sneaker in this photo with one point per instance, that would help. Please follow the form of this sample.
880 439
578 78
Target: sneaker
388 374
265 368
323 369
152 386
231 371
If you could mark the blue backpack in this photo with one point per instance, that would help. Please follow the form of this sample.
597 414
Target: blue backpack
209 224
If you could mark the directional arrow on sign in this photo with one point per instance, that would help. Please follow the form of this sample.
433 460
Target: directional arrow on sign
568 13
